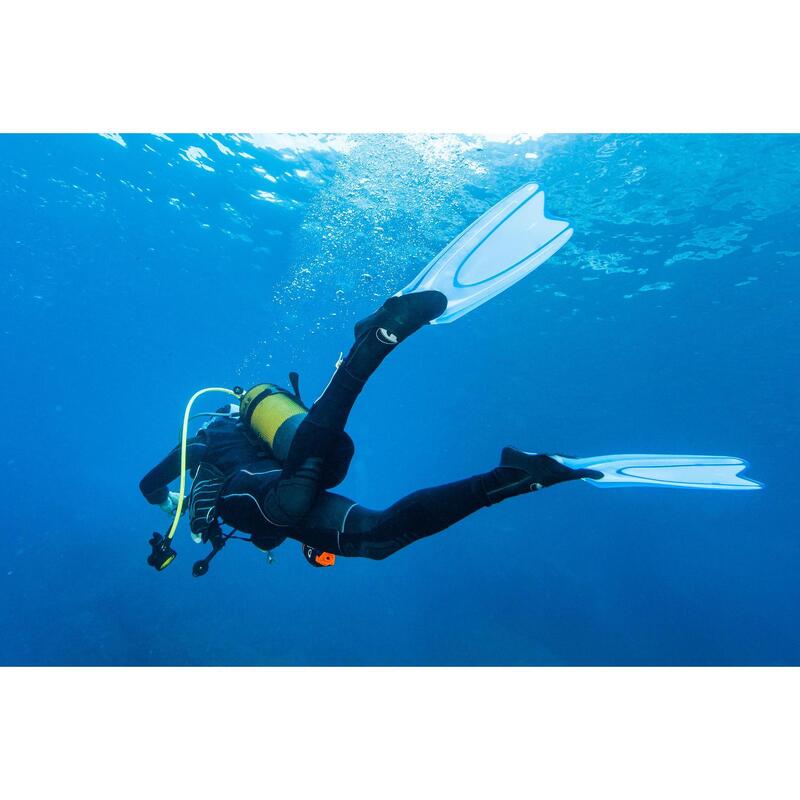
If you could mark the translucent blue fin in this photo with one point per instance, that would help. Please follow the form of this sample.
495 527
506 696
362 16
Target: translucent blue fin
673 472
504 245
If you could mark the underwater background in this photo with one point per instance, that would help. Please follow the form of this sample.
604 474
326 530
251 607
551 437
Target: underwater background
137 269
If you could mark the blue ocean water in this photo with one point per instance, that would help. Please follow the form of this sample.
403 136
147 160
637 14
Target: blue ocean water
137 269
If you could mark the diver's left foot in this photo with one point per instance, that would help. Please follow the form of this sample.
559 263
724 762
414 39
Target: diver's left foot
377 334
401 316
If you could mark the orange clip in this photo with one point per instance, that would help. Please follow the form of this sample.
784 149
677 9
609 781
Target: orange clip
325 559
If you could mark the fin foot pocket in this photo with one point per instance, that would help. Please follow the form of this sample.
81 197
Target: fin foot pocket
547 470
400 316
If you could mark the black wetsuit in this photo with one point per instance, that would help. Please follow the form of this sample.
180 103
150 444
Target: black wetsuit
271 501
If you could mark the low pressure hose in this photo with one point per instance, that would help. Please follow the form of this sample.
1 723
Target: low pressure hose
237 393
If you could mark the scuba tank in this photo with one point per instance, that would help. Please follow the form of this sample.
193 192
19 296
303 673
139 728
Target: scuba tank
273 414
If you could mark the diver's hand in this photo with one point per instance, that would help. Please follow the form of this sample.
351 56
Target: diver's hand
170 505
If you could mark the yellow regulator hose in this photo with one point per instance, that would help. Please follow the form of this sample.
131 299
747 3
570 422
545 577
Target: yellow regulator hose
184 430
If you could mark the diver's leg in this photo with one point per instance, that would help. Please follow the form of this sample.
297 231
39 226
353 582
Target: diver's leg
379 534
340 526
345 528
375 337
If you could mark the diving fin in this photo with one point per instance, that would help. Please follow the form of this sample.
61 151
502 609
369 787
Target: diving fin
669 471
505 244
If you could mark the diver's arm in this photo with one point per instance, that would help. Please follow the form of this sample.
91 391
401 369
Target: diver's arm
154 485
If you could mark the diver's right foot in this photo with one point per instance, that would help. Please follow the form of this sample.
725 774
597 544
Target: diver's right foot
402 315
520 472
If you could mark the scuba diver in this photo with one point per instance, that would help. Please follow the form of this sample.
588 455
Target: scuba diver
265 465
239 479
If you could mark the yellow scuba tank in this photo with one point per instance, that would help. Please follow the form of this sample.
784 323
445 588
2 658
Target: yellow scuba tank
273 414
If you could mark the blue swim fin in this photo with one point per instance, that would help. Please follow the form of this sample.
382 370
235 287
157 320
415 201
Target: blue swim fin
669 471
504 245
